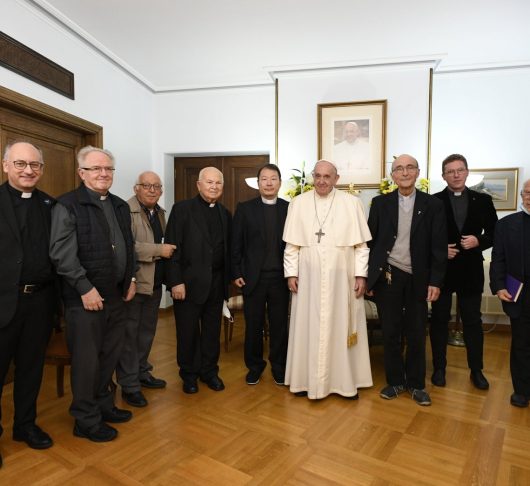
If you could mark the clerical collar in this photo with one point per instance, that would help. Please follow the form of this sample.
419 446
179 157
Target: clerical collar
17 193
97 196
269 202
457 193
205 202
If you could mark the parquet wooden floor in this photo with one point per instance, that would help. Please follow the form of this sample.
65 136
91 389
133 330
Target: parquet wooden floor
265 435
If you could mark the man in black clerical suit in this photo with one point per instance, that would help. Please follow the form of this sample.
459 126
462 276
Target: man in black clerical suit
257 268
92 248
406 268
198 275
471 219
511 257
27 286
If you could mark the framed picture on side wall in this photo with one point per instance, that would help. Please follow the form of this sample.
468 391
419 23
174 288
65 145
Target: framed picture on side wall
500 184
352 136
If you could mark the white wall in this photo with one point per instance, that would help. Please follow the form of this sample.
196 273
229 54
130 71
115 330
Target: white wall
103 93
484 116
220 122
406 90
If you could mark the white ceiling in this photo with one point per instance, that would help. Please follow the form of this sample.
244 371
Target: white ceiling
189 44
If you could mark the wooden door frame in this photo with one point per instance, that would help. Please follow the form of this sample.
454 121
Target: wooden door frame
25 105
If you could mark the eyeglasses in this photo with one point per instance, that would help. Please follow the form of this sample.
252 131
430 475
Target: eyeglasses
525 193
400 168
99 169
22 164
150 187
454 172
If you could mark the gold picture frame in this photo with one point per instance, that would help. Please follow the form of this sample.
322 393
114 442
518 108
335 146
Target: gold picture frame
353 135
500 184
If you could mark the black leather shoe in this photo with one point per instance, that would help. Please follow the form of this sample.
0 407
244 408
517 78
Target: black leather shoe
152 382
300 394
190 386
252 377
116 415
438 378
34 436
135 399
519 400
97 433
215 383
479 380
355 397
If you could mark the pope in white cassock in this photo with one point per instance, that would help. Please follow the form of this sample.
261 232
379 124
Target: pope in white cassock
326 263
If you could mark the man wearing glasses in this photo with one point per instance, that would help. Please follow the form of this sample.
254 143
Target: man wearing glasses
471 219
148 226
92 248
27 290
408 255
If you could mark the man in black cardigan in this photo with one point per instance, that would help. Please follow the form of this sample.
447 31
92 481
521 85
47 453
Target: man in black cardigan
198 275
27 286
408 255
257 269
471 219
511 256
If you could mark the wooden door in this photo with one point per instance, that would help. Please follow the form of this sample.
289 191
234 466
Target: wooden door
59 135
235 170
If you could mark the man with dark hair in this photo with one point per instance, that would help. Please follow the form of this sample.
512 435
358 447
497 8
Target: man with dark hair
92 248
198 274
148 226
408 254
510 261
471 219
257 269
27 291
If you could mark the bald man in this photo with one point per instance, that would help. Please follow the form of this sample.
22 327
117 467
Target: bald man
408 256
148 221
198 275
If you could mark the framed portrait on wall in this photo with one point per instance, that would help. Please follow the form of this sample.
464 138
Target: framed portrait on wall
352 136
500 184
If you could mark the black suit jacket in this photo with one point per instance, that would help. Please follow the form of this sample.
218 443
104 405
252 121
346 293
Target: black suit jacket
465 272
428 239
507 257
191 263
11 254
248 240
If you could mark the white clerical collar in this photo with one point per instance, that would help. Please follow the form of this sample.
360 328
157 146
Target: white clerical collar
269 201
26 195
103 198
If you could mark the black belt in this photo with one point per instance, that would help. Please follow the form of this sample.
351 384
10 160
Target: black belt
32 288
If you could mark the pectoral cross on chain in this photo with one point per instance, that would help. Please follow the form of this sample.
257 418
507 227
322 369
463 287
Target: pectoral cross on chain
320 234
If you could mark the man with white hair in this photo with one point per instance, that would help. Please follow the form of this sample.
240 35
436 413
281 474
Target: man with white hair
148 226
197 275
326 263
510 267
353 153
92 248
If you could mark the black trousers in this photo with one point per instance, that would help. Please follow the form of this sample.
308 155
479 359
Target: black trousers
402 314
520 348
270 295
469 306
198 333
24 341
94 339
142 318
